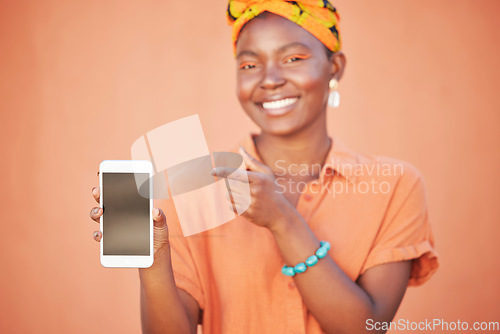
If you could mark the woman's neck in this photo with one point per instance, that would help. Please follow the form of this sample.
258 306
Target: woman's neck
308 147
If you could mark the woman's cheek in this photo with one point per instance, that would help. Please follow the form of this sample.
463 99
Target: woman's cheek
244 89
311 80
316 86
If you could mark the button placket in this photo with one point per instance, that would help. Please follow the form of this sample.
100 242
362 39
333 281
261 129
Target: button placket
305 199
294 304
294 311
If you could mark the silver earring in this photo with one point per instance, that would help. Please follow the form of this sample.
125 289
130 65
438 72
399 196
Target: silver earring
334 96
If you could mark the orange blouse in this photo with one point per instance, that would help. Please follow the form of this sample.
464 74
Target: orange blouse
372 210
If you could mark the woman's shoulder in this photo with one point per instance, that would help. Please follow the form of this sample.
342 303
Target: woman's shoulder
366 166
389 166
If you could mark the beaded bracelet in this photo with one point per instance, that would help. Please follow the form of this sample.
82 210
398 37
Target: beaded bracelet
311 260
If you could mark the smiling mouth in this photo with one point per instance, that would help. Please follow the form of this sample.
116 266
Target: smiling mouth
279 107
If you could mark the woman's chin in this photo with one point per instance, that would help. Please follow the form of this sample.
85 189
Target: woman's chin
279 129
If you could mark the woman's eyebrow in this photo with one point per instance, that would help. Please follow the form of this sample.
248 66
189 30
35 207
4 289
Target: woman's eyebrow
294 44
246 52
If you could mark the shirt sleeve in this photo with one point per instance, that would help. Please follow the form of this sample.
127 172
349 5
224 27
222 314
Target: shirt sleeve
405 232
184 266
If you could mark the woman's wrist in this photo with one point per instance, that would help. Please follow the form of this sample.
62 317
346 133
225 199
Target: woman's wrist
288 215
161 262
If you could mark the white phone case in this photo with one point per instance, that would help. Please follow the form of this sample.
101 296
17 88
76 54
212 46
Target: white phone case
122 257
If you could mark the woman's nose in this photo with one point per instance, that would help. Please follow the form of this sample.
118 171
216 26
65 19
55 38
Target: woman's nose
273 77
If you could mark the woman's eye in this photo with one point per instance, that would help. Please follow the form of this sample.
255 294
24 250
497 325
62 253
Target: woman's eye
295 58
246 66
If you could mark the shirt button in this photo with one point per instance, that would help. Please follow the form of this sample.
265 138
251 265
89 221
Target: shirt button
307 197
291 285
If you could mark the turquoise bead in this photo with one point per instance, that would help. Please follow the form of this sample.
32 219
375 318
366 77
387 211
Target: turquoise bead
300 268
321 252
325 244
288 271
311 260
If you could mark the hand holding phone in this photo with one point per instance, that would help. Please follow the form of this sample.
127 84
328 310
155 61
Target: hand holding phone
160 223
135 231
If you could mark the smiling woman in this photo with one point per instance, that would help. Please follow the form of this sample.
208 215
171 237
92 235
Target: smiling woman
283 70
299 259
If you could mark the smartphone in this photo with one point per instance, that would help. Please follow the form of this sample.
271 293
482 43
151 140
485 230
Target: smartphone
127 222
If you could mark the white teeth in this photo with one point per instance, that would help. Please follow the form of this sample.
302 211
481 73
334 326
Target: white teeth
279 103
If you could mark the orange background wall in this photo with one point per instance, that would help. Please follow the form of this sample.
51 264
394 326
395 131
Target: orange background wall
422 84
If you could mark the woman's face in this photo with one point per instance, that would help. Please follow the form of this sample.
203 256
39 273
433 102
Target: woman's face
282 74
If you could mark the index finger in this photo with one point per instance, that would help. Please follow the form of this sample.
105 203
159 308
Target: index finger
96 193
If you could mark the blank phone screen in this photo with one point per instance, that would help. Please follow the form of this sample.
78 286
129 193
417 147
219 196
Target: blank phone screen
125 225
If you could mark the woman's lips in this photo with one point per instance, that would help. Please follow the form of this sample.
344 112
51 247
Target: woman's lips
279 107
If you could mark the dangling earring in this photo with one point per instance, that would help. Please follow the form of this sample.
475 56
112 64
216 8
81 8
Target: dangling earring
334 96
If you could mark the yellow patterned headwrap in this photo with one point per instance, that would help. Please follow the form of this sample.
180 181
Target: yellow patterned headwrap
318 17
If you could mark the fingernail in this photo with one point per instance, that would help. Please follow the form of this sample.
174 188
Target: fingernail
96 234
156 212
96 210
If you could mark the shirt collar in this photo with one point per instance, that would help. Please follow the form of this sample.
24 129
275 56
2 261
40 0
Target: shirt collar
340 158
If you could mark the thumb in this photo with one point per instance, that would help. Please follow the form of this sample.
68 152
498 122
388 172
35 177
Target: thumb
254 164
160 229
159 220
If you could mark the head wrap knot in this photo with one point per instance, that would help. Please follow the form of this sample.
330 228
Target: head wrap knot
318 17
